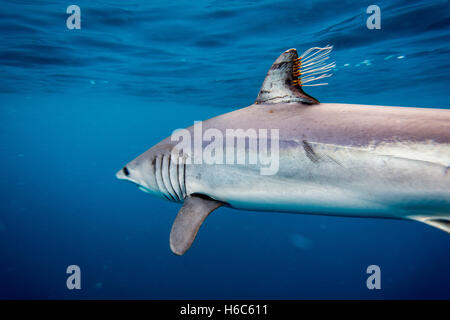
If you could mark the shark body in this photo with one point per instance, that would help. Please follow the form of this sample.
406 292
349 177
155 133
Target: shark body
334 159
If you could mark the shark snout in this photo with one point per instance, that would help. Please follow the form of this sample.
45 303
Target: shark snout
122 173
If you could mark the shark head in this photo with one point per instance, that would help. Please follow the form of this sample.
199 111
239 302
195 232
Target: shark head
158 172
140 173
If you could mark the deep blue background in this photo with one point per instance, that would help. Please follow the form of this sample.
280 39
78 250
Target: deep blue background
76 105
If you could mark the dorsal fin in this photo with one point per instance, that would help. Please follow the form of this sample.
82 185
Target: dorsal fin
284 81
440 222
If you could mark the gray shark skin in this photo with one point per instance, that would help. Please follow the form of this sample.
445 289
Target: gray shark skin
334 159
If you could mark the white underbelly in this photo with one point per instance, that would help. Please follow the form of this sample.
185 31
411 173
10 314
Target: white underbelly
341 181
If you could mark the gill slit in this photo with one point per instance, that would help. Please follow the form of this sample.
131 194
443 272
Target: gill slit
167 183
183 193
156 174
182 177
172 178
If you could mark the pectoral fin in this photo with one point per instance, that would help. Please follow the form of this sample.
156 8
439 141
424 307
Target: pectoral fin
188 221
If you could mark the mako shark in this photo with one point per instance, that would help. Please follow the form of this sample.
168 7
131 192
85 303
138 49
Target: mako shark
334 159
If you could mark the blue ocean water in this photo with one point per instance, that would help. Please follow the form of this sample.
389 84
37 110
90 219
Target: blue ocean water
76 105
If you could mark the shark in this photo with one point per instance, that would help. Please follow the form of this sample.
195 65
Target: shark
332 158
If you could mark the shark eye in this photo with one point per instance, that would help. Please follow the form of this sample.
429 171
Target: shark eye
125 171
